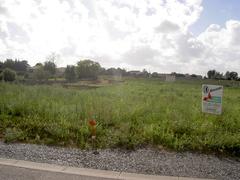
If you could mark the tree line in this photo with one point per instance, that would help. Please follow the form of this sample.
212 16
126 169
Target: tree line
84 69
213 74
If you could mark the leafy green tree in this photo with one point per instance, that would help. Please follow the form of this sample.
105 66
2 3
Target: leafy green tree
9 63
50 67
21 66
111 71
114 71
193 75
1 69
218 75
227 75
9 75
39 64
39 73
70 74
233 75
1 76
145 73
88 69
18 66
1 65
211 74
53 57
154 74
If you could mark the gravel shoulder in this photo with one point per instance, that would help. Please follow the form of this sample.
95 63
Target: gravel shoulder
143 160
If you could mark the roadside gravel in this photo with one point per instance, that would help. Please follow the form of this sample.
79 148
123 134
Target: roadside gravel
143 160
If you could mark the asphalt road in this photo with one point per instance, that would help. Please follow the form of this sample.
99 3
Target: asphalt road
17 173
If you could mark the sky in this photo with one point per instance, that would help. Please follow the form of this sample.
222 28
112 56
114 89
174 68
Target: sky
184 36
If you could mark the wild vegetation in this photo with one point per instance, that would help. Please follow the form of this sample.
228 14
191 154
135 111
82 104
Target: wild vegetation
86 69
131 108
128 114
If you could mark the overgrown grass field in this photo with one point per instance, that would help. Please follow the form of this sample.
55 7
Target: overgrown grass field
136 112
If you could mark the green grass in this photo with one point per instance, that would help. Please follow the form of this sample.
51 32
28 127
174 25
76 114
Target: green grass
136 112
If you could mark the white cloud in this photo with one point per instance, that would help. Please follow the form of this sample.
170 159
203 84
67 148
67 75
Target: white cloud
132 34
167 27
223 46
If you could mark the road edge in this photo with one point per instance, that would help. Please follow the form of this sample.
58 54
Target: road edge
86 171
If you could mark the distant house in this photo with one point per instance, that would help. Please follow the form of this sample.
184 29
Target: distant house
164 77
175 76
170 78
136 73
191 77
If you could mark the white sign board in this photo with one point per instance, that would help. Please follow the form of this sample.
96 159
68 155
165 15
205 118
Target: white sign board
212 98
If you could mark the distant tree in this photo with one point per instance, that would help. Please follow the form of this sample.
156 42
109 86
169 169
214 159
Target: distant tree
116 71
21 66
112 71
1 65
227 75
49 67
154 74
1 69
123 72
233 75
8 75
70 74
102 71
17 65
145 73
218 75
53 57
38 64
9 63
88 69
39 73
179 75
211 74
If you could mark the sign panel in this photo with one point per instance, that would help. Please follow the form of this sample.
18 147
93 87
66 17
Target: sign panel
212 98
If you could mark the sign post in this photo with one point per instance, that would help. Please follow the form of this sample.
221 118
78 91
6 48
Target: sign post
212 99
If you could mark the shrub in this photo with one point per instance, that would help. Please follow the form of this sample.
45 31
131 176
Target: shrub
9 75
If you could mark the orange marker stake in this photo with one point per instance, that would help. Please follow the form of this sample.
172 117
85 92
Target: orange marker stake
92 123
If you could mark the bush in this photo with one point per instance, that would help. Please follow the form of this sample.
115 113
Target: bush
9 75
